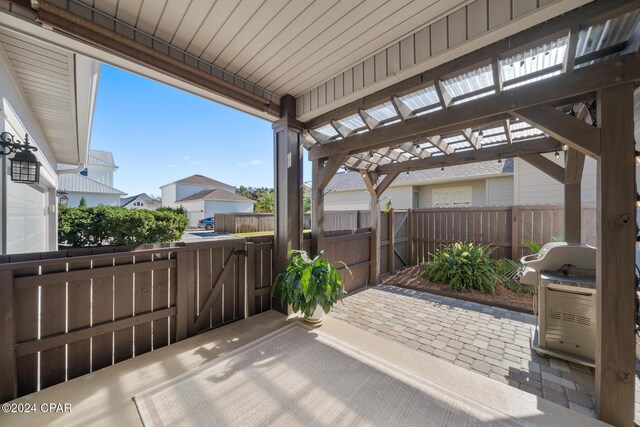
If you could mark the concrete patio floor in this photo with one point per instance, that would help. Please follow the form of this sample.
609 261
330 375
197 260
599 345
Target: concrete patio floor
491 341
105 397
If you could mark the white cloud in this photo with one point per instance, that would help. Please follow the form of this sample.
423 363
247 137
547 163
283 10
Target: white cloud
187 157
194 163
170 165
256 162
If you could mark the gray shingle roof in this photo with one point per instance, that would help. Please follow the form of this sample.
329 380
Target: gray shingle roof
353 180
218 194
199 180
76 183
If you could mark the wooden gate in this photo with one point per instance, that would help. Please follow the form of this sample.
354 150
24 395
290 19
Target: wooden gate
395 229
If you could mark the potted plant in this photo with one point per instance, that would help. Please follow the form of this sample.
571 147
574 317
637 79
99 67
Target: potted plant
310 285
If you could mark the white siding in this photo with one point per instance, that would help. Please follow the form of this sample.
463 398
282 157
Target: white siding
211 207
500 191
533 187
169 195
94 199
478 187
27 219
401 198
101 174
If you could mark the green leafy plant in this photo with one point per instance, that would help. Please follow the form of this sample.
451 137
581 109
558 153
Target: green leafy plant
309 282
114 225
83 202
508 269
535 247
463 266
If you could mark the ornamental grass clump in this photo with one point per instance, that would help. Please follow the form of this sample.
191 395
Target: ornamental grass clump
309 282
464 267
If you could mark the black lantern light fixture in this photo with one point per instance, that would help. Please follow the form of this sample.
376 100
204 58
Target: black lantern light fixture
24 166
63 197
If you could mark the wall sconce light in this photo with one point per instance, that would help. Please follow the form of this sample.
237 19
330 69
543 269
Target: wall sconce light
24 167
63 197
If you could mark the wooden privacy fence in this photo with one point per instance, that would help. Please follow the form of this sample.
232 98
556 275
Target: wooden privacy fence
69 313
504 227
241 222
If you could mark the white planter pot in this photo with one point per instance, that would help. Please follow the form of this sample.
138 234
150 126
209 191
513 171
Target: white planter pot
316 317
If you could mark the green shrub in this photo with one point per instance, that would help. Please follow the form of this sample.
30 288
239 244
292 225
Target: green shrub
463 266
115 225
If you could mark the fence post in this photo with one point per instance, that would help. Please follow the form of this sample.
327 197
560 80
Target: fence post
410 236
250 279
515 233
8 381
391 240
182 278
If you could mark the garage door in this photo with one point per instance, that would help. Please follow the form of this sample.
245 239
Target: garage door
27 219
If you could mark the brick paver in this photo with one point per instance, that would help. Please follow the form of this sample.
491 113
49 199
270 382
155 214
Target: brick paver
489 340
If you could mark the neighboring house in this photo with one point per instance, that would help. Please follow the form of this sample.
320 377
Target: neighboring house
203 197
48 93
476 184
140 201
94 182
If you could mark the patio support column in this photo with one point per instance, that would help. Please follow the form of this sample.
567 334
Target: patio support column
615 276
574 164
287 138
317 208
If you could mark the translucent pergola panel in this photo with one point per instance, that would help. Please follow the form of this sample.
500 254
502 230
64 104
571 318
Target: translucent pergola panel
527 134
548 56
430 110
471 98
469 82
382 112
422 98
607 34
328 131
352 122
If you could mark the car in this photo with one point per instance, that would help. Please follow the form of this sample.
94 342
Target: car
206 223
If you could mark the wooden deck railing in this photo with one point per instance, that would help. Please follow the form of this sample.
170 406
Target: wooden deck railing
68 313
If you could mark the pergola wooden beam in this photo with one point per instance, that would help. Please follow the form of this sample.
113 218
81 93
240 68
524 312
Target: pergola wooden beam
541 145
471 138
616 258
574 165
545 165
590 14
563 127
329 169
583 82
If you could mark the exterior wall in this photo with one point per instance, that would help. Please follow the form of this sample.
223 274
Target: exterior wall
186 190
101 174
195 211
26 211
401 198
533 187
169 196
94 199
478 198
500 191
211 207
147 203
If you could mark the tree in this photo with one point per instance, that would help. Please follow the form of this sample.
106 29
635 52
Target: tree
306 203
252 193
265 202
83 202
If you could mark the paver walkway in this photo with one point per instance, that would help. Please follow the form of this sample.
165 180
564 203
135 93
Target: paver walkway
491 341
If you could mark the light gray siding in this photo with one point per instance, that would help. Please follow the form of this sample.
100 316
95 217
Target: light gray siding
500 191
401 198
478 192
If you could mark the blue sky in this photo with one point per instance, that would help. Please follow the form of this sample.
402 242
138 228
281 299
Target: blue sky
159 134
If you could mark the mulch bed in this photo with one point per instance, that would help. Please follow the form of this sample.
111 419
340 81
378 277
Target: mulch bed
411 278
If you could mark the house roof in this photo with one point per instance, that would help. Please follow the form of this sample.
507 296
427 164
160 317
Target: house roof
76 183
124 201
217 195
199 180
353 181
101 158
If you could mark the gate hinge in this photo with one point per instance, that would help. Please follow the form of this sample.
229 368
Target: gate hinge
242 252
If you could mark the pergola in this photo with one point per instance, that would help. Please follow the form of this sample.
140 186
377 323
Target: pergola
566 84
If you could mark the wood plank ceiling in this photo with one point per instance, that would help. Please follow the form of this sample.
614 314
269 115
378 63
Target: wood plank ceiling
283 46
46 75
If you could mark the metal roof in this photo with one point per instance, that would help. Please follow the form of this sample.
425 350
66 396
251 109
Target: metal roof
199 180
76 183
101 158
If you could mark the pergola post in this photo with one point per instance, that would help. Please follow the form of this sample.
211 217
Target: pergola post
574 165
317 208
287 138
616 219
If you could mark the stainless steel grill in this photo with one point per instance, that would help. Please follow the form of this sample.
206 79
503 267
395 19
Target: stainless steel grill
564 276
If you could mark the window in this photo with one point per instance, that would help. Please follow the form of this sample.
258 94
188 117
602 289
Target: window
452 197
